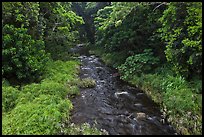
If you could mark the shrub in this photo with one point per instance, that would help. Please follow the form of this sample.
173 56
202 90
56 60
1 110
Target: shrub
139 63
57 82
183 107
23 57
114 59
5 82
182 31
196 85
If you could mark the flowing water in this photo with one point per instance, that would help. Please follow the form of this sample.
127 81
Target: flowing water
114 105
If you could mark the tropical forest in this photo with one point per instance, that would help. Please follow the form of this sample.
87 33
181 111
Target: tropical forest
101 68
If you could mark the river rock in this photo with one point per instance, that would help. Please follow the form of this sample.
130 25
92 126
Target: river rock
140 115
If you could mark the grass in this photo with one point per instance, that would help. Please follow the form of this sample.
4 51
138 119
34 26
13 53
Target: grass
87 83
180 105
9 97
42 116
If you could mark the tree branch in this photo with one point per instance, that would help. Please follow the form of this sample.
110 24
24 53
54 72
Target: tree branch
58 23
163 3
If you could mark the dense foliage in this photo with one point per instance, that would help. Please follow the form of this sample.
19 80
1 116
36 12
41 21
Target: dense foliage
127 32
61 28
23 57
41 116
9 97
172 30
156 46
31 31
43 108
182 31
115 35
139 63
40 108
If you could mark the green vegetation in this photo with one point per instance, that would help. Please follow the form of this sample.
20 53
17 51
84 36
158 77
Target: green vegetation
180 105
32 34
18 46
40 116
61 28
37 69
9 97
182 30
135 65
161 48
41 108
87 83
156 46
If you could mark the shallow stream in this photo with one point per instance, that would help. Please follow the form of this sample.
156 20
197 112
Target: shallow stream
113 104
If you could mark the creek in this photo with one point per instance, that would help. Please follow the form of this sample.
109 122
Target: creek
113 104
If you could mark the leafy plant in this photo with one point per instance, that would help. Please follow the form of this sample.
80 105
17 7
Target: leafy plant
23 57
182 31
139 63
61 71
61 32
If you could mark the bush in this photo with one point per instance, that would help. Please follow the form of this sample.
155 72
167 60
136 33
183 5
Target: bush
182 31
23 57
177 93
42 116
183 106
5 82
196 85
139 63
30 92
